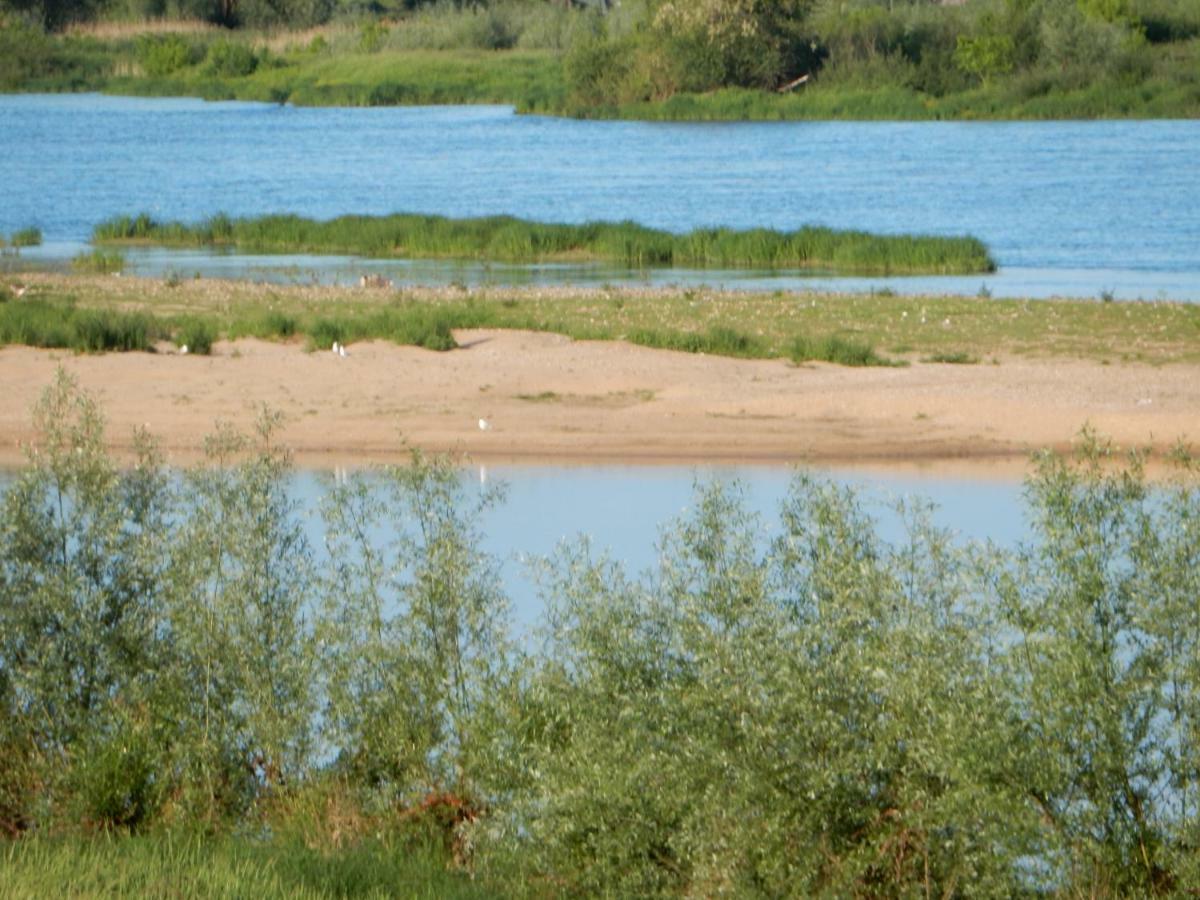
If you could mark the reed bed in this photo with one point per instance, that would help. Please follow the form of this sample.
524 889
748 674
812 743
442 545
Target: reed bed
40 323
511 239
99 261
24 237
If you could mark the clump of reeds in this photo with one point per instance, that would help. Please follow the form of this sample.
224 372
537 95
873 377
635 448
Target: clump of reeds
719 340
99 261
511 239
25 237
835 349
197 335
40 323
417 325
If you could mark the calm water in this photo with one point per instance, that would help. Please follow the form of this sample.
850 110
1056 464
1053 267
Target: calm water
623 509
1066 207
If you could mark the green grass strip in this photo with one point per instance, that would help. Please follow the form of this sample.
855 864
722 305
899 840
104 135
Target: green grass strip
183 865
518 240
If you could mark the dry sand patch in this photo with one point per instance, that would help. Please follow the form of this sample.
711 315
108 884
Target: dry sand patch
549 398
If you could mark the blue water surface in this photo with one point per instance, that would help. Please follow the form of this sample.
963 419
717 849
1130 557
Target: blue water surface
1066 207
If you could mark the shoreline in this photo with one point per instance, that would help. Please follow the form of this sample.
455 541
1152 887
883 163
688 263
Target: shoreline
550 400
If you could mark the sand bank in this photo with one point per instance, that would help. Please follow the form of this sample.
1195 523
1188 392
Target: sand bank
547 398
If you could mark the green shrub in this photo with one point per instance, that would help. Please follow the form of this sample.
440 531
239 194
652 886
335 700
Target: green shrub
795 706
26 237
101 262
161 56
197 335
835 349
231 59
719 340
116 779
371 36
957 358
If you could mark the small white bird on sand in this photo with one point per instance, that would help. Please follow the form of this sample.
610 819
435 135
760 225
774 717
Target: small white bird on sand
485 425
342 351
183 350
335 347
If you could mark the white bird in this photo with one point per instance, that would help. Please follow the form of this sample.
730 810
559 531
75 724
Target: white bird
19 291
485 425
183 350
335 346
342 351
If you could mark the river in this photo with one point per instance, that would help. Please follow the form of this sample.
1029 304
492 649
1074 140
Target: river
1067 208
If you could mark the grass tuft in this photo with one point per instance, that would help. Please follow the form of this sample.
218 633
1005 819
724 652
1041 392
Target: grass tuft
197 335
719 340
99 262
26 237
957 358
835 349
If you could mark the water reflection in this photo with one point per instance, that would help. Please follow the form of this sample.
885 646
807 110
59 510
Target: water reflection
623 509
346 271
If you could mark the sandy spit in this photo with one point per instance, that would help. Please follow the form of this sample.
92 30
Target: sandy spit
546 398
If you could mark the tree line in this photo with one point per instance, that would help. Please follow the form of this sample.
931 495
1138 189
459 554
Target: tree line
56 14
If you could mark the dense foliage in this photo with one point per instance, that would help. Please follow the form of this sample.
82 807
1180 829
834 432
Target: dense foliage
809 709
1037 46
645 58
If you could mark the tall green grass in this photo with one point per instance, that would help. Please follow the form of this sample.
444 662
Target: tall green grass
835 349
508 238
38 323
26 237
716 341
162 866
99 261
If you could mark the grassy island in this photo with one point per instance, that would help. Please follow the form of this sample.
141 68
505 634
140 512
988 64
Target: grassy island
505 238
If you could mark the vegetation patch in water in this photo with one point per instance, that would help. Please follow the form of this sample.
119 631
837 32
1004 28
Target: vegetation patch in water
510 239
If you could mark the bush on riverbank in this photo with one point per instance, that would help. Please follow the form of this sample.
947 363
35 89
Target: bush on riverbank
792 709
511 239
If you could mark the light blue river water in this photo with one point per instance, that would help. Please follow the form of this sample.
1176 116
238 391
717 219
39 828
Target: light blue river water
623 510
1070 208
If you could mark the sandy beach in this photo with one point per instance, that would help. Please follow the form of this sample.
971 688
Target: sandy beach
548 398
